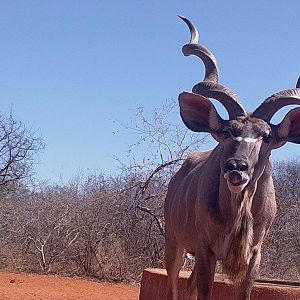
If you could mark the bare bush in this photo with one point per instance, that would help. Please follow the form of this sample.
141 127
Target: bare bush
282 250
94 217
18 149
43 225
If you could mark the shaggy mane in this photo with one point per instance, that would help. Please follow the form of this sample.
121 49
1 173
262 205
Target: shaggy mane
238 255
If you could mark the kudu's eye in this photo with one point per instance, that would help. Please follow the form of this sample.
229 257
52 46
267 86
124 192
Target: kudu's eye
226 134
267 138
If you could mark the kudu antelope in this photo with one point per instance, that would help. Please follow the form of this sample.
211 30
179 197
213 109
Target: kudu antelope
221 203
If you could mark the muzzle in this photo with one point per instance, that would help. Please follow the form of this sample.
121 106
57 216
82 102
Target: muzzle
235 172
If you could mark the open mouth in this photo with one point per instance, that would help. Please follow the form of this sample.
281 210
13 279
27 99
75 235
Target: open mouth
236 178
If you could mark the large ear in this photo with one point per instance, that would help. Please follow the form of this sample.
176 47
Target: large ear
289 129
198 113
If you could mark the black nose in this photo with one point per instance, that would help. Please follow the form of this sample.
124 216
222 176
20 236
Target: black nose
236 165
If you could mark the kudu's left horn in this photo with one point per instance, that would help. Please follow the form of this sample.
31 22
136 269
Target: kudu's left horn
210 87
272 104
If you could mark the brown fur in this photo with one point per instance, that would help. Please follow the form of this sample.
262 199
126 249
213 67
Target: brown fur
237 259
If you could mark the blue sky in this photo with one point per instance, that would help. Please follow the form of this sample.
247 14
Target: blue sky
68 69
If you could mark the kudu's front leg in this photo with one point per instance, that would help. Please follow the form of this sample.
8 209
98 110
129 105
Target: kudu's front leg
174 258
243 291
205 263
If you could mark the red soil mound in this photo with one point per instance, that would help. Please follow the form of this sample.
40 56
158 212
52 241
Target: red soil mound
154 286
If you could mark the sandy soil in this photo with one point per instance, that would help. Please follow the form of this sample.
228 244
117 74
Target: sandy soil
24 287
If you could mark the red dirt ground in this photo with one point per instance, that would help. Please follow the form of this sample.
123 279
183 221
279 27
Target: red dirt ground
27 287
